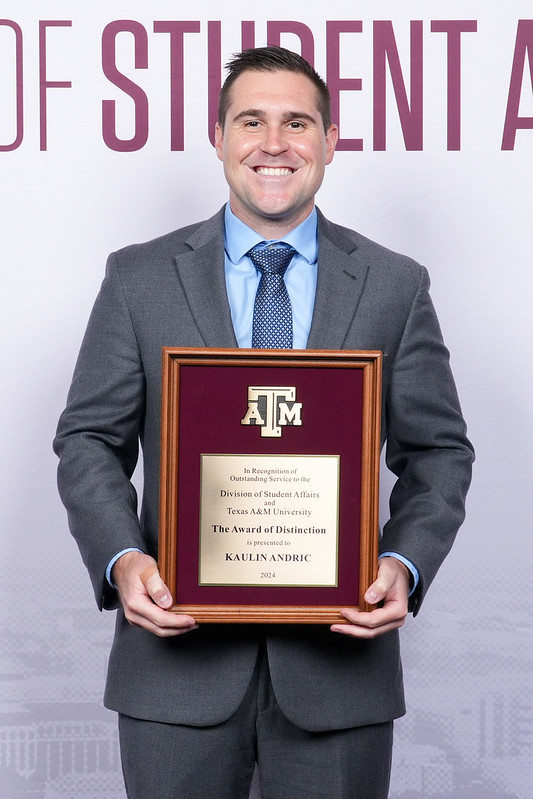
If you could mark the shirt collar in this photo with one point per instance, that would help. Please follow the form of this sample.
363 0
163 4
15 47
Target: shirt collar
239 238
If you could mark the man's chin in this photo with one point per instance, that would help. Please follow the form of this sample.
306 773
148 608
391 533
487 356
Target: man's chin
271 210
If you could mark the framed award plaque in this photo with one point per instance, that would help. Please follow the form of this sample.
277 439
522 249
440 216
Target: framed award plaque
269 482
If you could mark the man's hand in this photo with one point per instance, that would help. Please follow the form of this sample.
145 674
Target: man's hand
145 597
392 588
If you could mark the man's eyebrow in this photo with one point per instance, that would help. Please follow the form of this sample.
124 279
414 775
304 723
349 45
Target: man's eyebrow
300 115
249 112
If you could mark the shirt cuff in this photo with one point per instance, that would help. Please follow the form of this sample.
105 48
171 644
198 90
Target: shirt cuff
412 568
114 560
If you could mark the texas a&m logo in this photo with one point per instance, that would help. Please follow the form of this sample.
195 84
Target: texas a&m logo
272 407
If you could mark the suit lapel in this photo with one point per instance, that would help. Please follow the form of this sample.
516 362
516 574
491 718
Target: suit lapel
201 273
341 279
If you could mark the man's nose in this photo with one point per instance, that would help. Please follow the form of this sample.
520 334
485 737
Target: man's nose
274 140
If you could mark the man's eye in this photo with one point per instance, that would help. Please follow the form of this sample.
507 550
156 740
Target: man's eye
252 123
295 125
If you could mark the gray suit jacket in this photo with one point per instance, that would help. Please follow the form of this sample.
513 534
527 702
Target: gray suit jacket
171 292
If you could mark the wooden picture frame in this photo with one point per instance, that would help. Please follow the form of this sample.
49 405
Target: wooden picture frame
269 482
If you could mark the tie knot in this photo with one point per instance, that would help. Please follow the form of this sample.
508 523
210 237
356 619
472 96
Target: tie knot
273 259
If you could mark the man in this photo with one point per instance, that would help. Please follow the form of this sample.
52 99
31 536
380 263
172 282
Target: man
199 705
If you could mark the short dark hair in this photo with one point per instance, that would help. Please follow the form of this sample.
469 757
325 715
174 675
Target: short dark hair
272 59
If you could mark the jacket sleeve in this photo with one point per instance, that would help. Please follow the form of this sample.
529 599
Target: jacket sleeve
427 448
97 436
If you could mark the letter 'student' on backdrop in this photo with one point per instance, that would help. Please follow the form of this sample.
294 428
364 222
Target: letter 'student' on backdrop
106 137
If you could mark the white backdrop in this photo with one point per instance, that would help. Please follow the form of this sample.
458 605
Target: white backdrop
454 200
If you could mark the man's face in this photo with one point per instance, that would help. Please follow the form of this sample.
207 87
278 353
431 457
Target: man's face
274 149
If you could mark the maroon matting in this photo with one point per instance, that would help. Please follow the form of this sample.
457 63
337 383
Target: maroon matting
212 401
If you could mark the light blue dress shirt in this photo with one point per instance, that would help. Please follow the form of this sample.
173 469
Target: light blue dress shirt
242 280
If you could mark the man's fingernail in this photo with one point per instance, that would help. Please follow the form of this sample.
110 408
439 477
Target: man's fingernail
372 597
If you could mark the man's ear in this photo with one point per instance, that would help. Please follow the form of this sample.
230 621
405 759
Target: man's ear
219 140
332 137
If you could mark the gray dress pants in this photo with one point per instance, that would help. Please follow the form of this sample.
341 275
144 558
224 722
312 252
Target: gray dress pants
172 761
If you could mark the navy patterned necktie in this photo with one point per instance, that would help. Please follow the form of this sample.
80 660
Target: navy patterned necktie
272 325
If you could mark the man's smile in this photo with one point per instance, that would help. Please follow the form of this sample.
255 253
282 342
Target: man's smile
273 171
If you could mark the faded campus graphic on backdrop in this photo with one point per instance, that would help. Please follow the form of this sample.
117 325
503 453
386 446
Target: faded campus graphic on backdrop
105 139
